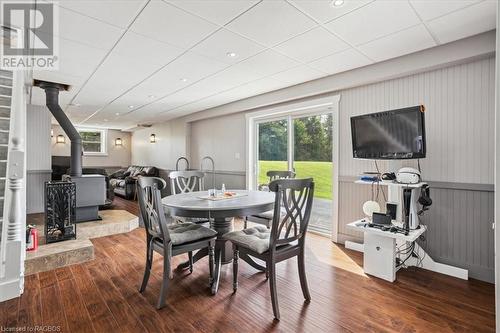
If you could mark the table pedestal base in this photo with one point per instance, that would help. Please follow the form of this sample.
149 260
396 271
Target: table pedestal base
223 252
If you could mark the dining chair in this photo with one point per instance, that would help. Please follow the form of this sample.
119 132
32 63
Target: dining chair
169 240
266 218
184 182
285 240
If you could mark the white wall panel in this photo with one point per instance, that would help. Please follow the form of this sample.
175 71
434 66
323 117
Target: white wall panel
38 120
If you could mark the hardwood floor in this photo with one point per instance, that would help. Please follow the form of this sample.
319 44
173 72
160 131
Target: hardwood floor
102 296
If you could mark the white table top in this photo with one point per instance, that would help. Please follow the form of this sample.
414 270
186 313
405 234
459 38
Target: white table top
192 201
359 225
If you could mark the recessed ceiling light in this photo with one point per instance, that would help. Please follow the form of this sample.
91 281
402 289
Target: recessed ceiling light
151 96
130 106
231 54
337 3
184 79
117 114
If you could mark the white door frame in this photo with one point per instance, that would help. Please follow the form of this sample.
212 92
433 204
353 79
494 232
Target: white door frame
497 175
293 111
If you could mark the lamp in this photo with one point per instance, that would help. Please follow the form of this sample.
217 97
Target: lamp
51 133
152 138
60 139
118 142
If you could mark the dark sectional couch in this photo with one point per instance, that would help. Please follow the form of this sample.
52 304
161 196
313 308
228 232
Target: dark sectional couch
124 180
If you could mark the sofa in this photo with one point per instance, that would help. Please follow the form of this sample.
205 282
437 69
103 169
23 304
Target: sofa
124 180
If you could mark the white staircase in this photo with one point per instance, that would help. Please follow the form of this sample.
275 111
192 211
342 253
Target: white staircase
12 183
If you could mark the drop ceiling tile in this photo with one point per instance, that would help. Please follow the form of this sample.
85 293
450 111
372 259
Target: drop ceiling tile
465 22
123 71
117 12
428 10
146 49
271 22
299 74
170 24
191 67
340 62
217 11
404 42
311 45
375 20
76 60
266 63
86 30
323 10
223 42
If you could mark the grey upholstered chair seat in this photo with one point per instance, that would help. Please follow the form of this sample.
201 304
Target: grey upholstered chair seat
188 232
255 238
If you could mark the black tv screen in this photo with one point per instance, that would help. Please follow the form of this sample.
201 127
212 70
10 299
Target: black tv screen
395 134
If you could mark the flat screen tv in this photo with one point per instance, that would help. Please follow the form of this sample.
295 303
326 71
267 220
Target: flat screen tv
395 134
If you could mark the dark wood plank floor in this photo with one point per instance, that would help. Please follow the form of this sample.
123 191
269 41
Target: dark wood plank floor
102 296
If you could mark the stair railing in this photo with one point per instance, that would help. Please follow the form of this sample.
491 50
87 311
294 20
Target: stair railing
13 241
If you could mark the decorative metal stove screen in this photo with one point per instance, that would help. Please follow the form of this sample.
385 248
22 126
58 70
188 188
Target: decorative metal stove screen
60 211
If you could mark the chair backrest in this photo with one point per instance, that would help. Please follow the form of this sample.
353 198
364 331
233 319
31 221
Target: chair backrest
182 158
295 196
186 181
151 208
274 175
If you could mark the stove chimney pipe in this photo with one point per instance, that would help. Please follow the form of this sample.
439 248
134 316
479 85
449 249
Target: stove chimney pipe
52 101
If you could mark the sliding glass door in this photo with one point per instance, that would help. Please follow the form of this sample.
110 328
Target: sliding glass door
302 143
312 158
273 148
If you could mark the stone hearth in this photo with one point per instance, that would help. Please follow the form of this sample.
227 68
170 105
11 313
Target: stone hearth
65 253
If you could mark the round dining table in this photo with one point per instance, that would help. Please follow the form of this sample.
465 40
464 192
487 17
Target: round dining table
221 213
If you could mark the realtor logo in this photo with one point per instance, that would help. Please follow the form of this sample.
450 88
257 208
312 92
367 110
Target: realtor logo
29 32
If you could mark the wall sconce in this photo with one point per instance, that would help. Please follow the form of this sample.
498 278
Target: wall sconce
60 139
152 138
118 142
51 133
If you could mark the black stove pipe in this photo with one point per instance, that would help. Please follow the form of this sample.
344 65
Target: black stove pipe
52 101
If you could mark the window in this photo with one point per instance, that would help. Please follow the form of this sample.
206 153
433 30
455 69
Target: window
93 141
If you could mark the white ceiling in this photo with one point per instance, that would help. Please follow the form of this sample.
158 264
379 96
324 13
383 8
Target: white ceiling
136 61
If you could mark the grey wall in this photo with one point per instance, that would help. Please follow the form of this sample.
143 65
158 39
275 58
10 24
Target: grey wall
171 143
459 164
117 156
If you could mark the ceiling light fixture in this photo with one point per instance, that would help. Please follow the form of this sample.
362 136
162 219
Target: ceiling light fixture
117 114
337 3
184 79
130 106
231 54
151 96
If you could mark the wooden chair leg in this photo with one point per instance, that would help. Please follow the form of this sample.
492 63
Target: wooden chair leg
236 253
147 269
274 294
165 281
302 276
211 261
190 254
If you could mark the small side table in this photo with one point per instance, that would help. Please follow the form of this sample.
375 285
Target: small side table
379 249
